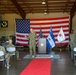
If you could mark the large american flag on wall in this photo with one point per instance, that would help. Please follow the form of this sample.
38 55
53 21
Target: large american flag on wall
23 28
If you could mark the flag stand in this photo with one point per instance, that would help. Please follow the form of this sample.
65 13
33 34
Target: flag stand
60 47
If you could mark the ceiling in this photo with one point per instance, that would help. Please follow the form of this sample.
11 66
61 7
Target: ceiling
24 7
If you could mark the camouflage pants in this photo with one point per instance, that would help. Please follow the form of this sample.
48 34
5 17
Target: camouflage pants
17 54
72 45
7 59
32 50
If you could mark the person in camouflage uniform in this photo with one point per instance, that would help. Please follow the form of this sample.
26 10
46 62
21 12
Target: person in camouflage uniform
11 45
72 42
6 55
32 42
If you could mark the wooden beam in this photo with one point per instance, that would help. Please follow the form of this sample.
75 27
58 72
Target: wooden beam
27 6
22 13
72 12
70 27
73 9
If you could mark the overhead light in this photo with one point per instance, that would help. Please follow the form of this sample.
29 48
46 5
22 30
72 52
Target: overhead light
45 13
45 10
43 2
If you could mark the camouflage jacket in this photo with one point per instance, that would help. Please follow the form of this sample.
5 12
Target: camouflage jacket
10 45
3 49
32 38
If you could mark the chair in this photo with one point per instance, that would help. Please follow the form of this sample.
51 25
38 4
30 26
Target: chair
11 51
2 58
74 55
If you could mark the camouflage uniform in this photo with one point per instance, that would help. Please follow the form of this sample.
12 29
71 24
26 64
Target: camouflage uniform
17 52
71 40
6 55
72 43
32 43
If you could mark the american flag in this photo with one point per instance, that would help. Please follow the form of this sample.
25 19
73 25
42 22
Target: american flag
23 27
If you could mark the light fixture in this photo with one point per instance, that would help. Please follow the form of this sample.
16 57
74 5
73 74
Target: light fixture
45 10
43 2
45 13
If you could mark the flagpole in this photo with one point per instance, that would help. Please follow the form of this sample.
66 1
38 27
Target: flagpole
60 47
60 44
51 26
40 26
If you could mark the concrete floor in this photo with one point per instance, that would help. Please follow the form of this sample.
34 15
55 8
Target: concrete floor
63 66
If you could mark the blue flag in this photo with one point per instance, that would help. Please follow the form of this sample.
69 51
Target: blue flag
50 40
40 34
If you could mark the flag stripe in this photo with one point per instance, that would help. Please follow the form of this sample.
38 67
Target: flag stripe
43 19
49 23
54 27
46 21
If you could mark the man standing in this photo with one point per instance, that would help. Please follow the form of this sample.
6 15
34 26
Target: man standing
32 42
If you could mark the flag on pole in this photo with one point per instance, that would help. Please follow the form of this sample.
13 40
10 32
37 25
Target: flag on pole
40 34
50 40
61 36
22 30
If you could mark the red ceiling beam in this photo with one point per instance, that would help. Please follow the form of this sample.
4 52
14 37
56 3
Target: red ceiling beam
22 13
